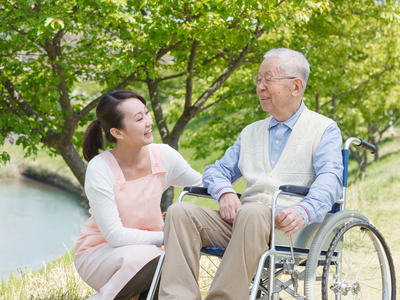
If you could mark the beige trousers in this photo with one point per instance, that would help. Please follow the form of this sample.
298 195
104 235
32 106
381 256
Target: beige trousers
189 227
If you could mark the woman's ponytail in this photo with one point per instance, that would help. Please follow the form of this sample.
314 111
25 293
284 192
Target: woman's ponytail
92 140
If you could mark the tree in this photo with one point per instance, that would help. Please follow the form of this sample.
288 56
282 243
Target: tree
353 52
209 50
47 47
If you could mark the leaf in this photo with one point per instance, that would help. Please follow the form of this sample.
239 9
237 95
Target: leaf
48 21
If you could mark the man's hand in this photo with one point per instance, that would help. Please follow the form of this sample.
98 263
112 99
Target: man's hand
229 205
289 220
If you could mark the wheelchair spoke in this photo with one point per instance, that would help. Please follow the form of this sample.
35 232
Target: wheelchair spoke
363 266
208 268
212 262
205 286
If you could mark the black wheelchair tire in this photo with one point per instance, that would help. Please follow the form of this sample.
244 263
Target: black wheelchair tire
385 262
331 223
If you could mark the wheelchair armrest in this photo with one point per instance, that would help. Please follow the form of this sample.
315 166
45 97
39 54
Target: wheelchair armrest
295 189
199 191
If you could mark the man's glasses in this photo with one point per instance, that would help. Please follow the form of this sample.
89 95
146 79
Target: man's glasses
267 80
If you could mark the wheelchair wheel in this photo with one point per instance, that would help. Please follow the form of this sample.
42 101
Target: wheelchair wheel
358 265
315 261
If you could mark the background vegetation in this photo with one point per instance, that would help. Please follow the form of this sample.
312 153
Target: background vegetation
194 60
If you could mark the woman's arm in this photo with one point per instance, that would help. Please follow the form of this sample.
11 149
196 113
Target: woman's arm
177 171
99 187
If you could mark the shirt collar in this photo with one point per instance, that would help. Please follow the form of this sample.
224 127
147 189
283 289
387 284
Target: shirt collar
292 121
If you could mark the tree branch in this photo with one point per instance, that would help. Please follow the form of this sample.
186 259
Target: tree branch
11 107
189 80
234 24
220 54
37 6
53 50
252 59
19 31
128 80
157 110
165 50
233 65
279 4
226 97
170 77
17 98
190 113
357 88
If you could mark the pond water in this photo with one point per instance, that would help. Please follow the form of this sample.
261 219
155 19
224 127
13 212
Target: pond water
36 220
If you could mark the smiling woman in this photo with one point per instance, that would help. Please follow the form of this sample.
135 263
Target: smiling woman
119 246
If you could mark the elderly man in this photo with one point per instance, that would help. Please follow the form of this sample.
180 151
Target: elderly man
294 146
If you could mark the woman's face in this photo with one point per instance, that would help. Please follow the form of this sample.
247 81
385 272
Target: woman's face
137 123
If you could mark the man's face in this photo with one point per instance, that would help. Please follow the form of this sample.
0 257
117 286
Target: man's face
276 98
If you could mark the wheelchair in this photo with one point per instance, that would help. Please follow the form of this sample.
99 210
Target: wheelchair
345 257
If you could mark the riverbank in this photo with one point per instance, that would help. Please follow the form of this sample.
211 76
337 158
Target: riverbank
43 168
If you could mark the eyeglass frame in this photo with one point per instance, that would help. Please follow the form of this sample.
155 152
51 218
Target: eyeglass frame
264 82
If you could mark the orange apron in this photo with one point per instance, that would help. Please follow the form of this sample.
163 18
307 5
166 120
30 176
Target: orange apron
108 269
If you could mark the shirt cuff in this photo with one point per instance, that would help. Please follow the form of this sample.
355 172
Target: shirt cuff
223 190
304 213
159 239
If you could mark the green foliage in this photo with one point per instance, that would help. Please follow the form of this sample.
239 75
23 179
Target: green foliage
354 54
197 57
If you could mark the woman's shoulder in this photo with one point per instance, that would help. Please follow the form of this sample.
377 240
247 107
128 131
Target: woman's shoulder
98 167
167 151
163 147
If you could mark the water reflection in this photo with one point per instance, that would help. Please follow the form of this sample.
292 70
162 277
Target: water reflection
35 221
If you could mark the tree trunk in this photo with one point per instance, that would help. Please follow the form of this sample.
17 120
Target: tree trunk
166 199
363 165
73 160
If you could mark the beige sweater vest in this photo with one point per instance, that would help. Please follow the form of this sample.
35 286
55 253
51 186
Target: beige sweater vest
295 165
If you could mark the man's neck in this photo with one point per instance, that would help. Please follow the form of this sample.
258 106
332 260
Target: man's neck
289 112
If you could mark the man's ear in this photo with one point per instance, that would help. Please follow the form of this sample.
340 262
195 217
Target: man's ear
297 87
116 133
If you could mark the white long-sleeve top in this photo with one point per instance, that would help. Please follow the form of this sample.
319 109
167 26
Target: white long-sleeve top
99 188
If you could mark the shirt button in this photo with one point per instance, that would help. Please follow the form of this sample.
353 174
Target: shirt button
118 177
156 165
273 162
121 188
280 124
277 142
331 166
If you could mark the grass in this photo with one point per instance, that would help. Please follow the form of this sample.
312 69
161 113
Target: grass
57 280
376 196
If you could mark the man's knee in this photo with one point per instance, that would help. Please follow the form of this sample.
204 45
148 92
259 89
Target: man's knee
179 211
254 214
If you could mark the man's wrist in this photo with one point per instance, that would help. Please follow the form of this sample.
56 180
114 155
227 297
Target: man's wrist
223 190
304 213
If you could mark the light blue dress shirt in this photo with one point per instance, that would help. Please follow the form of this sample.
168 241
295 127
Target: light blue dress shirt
328 166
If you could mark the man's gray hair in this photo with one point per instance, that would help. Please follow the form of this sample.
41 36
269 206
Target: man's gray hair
291 64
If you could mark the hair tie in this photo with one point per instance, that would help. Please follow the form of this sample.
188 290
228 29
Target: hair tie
98 122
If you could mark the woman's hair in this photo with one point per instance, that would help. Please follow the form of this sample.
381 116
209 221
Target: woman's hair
109 115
